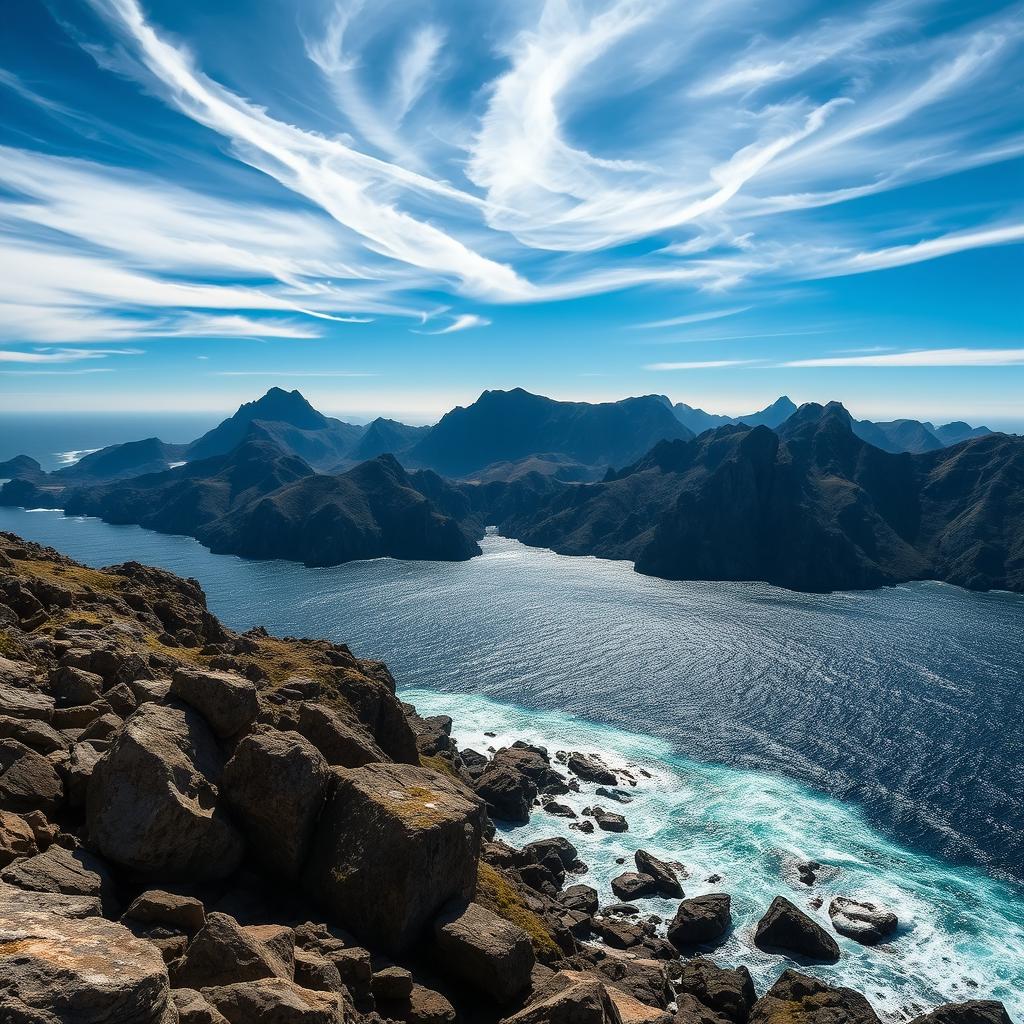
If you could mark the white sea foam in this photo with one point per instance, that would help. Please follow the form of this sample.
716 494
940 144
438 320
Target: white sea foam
961 934
69 458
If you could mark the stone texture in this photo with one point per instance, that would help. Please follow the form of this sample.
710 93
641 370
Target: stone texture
158 907
72 872
228 702
25 702
90 971
795 997
784 926
153 800
664 874
274 1001
16 900
631 885
508 793
16 838
341 744
194 1009
224 953
568 1000
727 991
974 1011
701 920
73 687
393 845
28 781
866 923
274 787
490 953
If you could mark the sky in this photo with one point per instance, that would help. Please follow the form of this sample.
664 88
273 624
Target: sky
393 205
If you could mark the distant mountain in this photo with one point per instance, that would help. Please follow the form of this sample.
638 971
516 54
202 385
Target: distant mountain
913 435
120 461
259 501
811 506
698 420
507 426
21 467
385 437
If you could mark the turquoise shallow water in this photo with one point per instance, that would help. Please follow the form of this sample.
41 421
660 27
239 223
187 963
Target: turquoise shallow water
879 733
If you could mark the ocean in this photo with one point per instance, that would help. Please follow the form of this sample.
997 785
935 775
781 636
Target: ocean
878 732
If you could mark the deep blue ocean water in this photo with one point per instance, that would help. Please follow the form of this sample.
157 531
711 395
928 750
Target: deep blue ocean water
877 732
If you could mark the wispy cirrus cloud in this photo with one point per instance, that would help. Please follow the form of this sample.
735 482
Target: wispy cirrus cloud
463 322
64 355
921 357
693 318
699 364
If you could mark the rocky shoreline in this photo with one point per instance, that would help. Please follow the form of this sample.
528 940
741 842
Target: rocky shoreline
203 826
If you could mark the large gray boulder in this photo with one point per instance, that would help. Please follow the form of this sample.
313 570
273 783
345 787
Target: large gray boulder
28 781
786 927
25 702
663 874
73 687
225 953
393 845
797 997
491 954
728 991
274 787
228 702
274 1001
153 802
569 998
866 923
508 793
56 969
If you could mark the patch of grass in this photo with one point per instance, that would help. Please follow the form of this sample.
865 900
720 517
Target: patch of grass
440 764
10 647
416 805
78 578
499 895
189 655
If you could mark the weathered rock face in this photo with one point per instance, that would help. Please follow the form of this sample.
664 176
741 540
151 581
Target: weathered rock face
158 907
193 1008
91 971
975 1011
28 781
701 919
631 885
785 926
582 898
590 768
569 999
340 743
274 1001
863 922
492 954
795 996
153 801
274 786
72 872
393 845
726 991
24 701
508 793
17 838
228 702
71 686
223 953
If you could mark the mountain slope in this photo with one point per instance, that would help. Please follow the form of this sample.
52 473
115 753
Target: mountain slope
120 461
810 507
698 420
383 436
507 426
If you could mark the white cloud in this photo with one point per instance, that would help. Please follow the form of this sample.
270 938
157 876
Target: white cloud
707 364
933 248
463 322
293 373
695 318
922 357
64 355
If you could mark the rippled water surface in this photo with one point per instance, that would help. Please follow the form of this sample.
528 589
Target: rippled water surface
878 732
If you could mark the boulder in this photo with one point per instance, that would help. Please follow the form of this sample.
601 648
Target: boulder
663 874
73 687
72 872
422 1006
340 743
224 953
690 1010
14 900
274 787
797 997
508 793
581 898
786 927
25 702
618 933
228 702
17 838
394 844
88 970
312 970
392 983
28 781
34 733
727 991
158 907
864 922
81 764
632 885
609 821
274 1001
152 803
590 768
700 920
490 953
194 1009
570 1000
974 1011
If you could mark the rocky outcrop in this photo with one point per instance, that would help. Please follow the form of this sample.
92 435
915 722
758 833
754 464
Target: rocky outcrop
786 927
795 996
153 802
700 920
975 1011
225 700
430 827
484 950
55 968
728 992
665 878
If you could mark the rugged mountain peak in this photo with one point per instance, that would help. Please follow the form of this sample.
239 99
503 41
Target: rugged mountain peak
283 407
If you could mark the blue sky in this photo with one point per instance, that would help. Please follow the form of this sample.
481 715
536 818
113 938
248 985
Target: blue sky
394 205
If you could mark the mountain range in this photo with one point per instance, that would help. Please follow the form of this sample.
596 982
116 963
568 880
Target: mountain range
807 498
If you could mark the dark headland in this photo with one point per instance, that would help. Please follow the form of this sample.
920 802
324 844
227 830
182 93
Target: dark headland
201 826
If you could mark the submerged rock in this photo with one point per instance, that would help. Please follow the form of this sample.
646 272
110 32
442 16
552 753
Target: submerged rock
590 768
786 927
